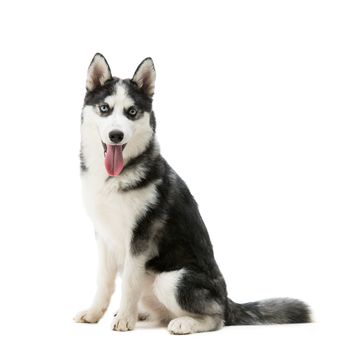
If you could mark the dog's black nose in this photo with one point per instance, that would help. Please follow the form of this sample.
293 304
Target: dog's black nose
116 136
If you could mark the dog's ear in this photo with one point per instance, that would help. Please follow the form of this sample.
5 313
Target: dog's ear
98 72
145 76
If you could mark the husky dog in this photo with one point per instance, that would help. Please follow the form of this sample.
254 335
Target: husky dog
148 227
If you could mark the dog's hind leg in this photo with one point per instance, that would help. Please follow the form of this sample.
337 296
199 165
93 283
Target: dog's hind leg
192 300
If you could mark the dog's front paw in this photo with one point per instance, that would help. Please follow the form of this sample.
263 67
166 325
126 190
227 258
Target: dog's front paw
88 316
124 323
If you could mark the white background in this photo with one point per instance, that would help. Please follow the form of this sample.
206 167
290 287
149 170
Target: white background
256 110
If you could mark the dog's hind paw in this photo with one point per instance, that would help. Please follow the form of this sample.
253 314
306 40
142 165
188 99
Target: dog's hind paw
182 325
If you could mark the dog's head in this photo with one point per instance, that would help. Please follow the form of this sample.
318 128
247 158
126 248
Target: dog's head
119 110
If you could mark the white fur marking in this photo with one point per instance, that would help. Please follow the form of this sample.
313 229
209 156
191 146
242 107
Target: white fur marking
165 288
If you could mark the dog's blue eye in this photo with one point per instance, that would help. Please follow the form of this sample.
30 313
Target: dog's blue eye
104 108
132 111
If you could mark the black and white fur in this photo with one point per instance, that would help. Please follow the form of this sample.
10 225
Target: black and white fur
148 227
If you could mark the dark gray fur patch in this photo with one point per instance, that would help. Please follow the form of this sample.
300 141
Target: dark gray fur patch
83 164
101 92
141 100
202 293
269 311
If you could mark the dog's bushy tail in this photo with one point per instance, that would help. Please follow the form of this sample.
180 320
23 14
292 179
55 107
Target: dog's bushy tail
269 311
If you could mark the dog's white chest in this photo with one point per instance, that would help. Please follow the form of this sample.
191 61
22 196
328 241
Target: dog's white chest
114 213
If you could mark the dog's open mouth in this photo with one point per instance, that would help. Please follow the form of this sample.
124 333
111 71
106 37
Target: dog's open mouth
113 158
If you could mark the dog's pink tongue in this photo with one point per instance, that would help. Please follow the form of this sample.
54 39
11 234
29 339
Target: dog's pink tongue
113 161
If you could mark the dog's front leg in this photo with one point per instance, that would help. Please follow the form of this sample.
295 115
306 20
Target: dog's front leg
107 270
132 283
